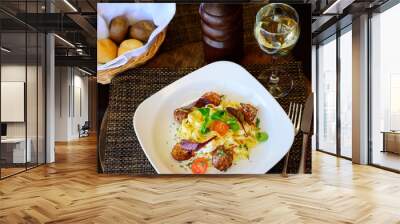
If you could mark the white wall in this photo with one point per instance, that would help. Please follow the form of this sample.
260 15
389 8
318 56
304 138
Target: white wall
62 81
12 73
34 124
79 117
70 81
12 101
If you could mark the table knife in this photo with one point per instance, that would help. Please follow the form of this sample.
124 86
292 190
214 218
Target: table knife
306 128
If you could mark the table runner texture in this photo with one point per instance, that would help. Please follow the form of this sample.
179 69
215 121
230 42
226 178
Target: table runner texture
123 153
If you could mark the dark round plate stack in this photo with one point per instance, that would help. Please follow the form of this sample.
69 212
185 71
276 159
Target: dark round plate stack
222 27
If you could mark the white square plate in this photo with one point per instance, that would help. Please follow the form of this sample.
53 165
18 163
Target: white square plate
155 126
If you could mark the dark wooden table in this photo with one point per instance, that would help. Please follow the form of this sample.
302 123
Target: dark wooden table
191 54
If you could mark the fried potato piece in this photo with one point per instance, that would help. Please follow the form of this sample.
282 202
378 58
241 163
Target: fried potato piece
181 114
222 158
180 154
249 112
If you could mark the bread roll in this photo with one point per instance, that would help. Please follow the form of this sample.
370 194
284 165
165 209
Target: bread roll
106 50
142 30
128 45
118 29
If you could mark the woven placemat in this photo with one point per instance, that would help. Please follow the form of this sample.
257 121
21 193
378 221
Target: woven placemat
123 153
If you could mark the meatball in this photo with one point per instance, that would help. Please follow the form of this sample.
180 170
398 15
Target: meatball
209 98
180 154
180 114
249 112
222 158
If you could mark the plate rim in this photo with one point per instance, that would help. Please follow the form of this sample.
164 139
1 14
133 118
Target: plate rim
187 76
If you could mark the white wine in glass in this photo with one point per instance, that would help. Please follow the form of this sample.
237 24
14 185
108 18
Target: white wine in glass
277 30
277 34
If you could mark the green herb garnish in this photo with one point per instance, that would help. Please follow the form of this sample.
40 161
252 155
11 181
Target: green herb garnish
261 136
204 126
204 111
204 129
217 115
206 114
233 124
258 122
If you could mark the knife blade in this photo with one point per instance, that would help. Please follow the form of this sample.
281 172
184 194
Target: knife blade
306 127
306 120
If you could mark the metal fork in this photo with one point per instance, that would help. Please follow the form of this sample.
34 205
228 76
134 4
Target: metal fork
295 112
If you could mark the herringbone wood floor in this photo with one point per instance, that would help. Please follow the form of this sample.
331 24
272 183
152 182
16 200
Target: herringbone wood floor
70 191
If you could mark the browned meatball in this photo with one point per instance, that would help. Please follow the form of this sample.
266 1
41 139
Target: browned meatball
222 158
213 97
180 114
209 98
180 154
249 112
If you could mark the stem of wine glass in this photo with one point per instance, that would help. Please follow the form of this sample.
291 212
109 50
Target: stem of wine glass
274 78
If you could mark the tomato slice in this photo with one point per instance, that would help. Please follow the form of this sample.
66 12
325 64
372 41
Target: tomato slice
220 127
199 165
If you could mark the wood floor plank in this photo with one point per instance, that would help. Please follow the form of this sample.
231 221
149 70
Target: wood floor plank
70 191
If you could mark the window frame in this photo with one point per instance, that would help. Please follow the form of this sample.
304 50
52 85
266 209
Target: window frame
31 30
336 36
381 9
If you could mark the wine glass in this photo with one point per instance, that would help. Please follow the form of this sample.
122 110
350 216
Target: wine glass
277 30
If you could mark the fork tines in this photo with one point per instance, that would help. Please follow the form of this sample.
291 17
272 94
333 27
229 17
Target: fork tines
295 113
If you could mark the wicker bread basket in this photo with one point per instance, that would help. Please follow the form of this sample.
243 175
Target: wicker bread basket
105 76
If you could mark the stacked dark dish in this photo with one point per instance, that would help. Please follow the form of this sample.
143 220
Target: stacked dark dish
222 28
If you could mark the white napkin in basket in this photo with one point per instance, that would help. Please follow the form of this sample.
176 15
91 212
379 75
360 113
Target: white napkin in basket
160 13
